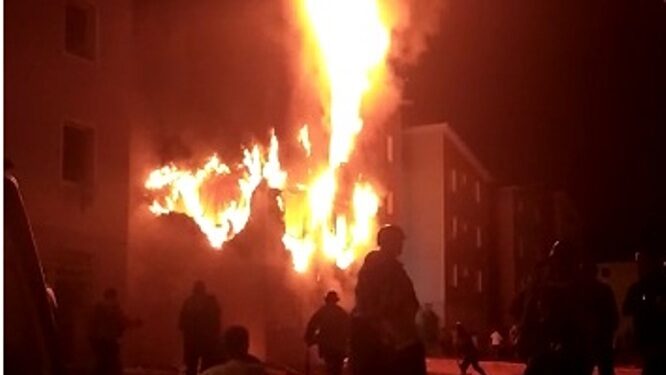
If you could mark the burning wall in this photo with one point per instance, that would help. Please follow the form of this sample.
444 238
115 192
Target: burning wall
329 184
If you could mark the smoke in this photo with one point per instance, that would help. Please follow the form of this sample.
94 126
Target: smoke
413 23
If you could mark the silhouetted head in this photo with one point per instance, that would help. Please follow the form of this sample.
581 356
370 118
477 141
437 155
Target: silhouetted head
237 341
460 328
110 295
199 288
331 297
390 239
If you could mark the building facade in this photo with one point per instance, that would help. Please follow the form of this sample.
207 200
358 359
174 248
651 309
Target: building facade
67 70
528 220
447 211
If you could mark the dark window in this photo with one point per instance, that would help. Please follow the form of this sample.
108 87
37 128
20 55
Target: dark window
80 30
77 154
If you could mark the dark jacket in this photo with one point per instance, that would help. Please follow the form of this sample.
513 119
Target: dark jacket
200 318
329 329
385 294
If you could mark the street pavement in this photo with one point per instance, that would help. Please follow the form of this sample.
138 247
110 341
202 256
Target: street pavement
441 366
436 366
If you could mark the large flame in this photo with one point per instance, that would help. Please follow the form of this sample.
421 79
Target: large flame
330 212
352 41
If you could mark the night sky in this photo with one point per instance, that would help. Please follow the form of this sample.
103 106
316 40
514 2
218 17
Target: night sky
570 94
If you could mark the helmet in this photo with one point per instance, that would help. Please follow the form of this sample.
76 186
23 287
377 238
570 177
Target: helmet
331 297
390 234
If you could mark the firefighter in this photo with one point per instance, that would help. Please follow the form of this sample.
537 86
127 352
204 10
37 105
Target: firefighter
200 325
329 330
553 319
384 337
646 304
107 326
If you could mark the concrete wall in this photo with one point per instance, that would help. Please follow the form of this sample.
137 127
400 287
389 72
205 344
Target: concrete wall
436 255
423 201
467 301
80 228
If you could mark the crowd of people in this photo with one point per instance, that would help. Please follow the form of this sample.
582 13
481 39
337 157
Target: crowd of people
565 321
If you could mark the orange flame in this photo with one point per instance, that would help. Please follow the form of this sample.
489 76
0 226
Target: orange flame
326 218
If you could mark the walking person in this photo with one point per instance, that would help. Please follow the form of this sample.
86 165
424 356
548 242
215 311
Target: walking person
384 337
467 350
199 324
329 330
107 326
496 343
645 303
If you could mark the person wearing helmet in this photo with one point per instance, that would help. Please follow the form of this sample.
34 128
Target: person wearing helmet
553 318
384 335
329 330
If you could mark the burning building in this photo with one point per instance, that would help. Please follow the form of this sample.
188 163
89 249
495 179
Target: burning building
156 150
268 218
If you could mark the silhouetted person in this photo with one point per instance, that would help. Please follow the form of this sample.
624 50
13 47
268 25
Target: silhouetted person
200 325
553 321
513 341
329 330
107 325
467 350
525 335
429 326
646 304
384 338
601 319
496 343
239 360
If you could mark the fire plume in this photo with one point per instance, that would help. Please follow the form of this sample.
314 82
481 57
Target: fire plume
329 209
